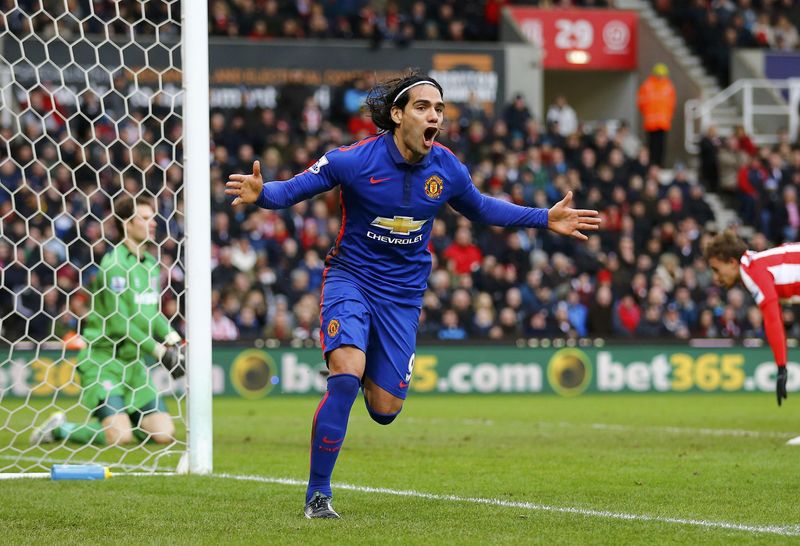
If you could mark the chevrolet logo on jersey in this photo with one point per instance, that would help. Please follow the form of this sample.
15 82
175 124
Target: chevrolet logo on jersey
401 225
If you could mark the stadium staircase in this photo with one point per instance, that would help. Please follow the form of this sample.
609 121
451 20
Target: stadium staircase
761 106
726 114
677 45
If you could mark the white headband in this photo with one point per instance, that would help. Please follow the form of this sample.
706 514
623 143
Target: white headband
410 86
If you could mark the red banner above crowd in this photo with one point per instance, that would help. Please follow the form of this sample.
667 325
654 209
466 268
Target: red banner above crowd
572 39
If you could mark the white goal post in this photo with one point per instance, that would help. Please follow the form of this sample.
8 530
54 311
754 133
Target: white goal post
198 228
100 100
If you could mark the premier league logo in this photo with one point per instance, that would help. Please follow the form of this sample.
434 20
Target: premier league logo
318 165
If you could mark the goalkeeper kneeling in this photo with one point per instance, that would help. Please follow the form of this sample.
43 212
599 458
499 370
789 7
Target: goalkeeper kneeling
124 326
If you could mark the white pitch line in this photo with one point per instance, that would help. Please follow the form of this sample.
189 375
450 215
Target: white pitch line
739 433
782 530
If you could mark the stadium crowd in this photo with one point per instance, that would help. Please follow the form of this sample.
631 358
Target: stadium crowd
713 28
642 276
394 21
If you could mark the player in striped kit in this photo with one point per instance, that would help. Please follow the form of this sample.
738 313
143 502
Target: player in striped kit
772 277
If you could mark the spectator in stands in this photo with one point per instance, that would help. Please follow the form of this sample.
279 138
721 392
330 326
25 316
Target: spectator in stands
697 207
730 158
451 328
247 324
222 275
627 141
577 314
242 256
787 216
601 313
754 324
562 114
222 327
744 141
463 257
627 316
752 177
707 325
710 145
516 116
673 324
651 325
786 35
656 101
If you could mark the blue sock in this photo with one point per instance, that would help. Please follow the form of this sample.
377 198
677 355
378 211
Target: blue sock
328 430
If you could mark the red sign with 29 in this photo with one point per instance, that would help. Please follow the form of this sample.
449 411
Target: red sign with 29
587 39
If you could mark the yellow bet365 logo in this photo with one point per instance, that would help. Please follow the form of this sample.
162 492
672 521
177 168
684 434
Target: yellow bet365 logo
402 225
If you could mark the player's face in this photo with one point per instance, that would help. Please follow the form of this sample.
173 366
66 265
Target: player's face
142 227
420 120
726 273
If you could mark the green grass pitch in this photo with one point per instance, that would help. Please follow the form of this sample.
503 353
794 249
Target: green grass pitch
682 468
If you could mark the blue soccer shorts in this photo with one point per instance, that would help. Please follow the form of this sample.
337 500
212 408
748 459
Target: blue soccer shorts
385 330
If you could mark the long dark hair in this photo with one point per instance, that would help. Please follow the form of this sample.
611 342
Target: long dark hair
381 98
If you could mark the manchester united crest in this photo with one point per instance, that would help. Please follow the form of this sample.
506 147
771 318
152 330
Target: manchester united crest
333 328
434 187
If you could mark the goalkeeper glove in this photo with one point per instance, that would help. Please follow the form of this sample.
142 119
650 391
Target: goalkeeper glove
173 338
780 384
172 358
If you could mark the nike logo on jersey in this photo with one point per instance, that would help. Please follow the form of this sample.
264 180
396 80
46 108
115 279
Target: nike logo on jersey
403 384
326 441
373 180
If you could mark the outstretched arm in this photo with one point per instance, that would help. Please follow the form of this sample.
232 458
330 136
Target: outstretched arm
560 218
250 189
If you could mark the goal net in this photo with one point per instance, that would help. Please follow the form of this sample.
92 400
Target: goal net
90 110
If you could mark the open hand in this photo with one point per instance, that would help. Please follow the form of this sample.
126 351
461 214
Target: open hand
245 187
568 221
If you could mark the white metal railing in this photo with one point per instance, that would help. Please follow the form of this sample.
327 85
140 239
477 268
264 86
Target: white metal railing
766 107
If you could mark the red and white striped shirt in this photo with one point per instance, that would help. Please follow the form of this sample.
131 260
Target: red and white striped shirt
773 277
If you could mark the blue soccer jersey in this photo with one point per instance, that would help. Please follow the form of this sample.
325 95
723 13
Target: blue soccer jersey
388 206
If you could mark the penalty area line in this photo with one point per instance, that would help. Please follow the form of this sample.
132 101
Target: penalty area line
781 530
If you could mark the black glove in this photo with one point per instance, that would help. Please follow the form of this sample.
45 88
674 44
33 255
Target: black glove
780 384
173 361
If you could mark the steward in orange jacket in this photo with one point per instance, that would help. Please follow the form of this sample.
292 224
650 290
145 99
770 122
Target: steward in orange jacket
657 102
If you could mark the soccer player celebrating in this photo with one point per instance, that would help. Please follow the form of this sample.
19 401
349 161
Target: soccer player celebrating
125 324
772 277
392 185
